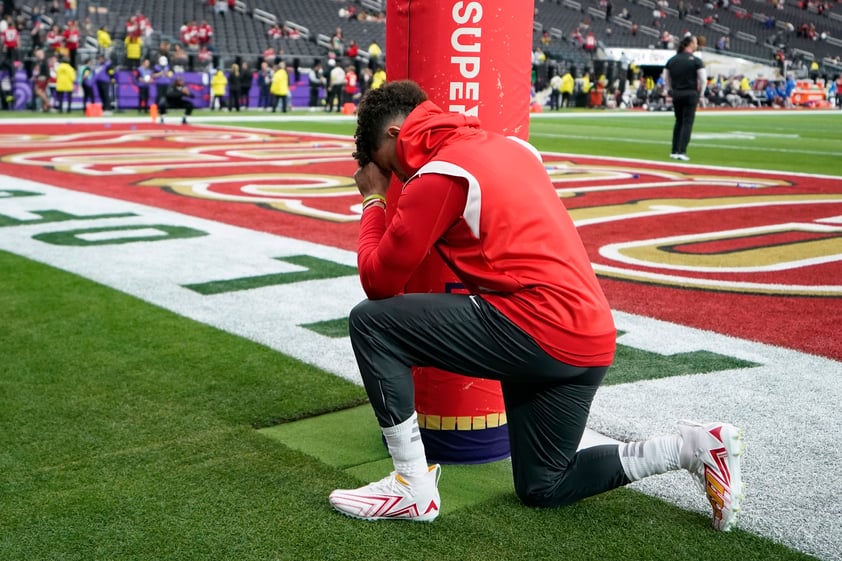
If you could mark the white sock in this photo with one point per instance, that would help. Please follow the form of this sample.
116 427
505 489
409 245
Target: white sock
406 449
650 457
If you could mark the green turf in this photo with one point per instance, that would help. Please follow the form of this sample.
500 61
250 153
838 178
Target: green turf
128 434
314 268
632 365
350 440
804 142
334 328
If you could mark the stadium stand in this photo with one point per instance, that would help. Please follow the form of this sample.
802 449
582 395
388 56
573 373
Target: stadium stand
243 32
804 33
805 30
748 34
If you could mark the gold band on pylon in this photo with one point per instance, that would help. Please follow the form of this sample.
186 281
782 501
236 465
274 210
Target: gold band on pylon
475 422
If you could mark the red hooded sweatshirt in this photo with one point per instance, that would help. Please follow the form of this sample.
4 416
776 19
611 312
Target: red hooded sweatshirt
487 205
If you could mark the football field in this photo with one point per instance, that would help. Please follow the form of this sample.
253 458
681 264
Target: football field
177 382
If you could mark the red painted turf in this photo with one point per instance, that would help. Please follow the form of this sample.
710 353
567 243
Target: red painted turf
738 215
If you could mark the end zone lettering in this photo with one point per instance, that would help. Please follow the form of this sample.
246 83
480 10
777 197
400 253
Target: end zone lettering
465 40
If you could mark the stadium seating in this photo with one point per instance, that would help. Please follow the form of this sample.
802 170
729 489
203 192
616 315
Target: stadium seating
243 31
744 24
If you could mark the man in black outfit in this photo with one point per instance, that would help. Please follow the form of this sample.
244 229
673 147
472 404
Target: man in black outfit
178 96
685 79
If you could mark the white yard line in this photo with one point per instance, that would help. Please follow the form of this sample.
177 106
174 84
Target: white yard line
632 140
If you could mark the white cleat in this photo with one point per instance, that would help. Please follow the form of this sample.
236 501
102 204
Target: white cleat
393 497
712 454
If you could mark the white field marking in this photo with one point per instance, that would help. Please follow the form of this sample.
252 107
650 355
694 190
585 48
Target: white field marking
791 430
682 167
108 137
706 284
723 135
633 185
122 235
788 405
629 140
670 209
320 116
84 161
175 124
157 270
617 252
769 134
653 114
740 135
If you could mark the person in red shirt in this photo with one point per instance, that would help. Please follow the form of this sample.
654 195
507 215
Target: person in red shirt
72 39
353 50
54 39
350 88
269 55
590 42
189 33
144 26
205 34
11 42
535 317
275 32
132 26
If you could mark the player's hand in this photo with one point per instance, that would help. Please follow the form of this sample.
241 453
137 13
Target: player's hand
371 179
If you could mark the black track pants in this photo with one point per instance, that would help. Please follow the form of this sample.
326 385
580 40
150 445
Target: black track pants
547 401
684 107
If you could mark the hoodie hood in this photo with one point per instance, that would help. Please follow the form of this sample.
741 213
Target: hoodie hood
427 130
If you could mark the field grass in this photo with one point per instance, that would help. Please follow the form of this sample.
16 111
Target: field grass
129 432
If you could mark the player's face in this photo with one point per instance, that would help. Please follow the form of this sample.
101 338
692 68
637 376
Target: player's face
386 155
381 156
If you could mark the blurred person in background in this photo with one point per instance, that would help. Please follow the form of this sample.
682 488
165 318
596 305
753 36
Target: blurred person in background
685 79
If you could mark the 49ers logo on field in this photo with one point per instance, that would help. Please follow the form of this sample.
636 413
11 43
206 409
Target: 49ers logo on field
677 226
723 231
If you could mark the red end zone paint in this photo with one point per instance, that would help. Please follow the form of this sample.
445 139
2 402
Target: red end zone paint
287 184
746 253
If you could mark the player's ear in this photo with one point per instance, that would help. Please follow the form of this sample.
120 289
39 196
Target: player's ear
392 131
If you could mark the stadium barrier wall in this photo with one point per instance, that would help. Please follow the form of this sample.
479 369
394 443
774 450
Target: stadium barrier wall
125 91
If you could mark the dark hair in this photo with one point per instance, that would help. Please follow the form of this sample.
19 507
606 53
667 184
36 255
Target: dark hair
377 108
685 42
